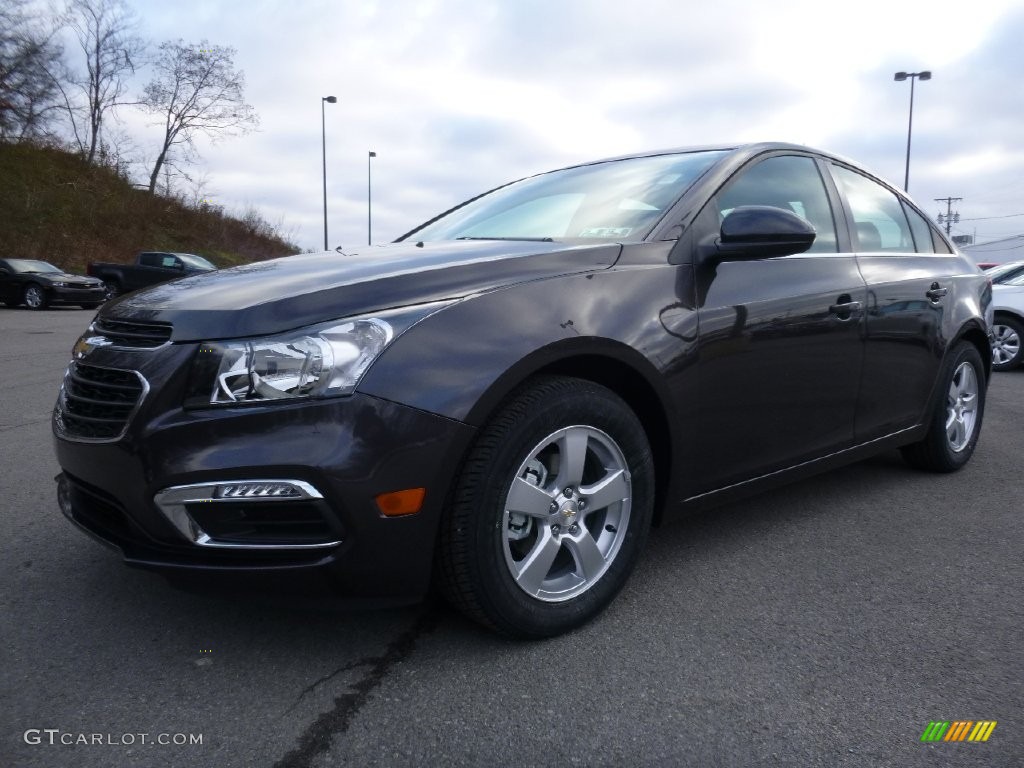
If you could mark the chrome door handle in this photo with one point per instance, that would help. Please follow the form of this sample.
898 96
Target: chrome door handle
935 292
844 308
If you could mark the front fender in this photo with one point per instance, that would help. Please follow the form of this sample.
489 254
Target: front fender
460 362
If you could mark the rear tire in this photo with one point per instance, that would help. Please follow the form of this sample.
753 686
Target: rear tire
955 423
550 511
89 306
1006 346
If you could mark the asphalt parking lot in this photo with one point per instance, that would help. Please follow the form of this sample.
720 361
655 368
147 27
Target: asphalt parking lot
823 624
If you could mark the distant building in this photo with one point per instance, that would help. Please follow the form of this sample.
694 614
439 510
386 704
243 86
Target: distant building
997 251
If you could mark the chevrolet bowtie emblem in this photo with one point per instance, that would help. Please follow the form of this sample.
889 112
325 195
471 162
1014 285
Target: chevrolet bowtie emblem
87 344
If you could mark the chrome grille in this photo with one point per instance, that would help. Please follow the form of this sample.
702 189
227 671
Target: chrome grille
129 333
95 403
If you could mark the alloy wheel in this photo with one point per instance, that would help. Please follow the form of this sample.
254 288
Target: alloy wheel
34 298
962 406
567 513
1005 345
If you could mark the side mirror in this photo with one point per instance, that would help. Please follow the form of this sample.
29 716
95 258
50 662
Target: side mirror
762 231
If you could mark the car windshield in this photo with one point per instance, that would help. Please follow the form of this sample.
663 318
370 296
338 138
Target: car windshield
619 200
1014 280
1005 273
195 261
32 266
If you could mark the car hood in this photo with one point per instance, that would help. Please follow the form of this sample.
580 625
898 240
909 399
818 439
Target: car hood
65 277
291 292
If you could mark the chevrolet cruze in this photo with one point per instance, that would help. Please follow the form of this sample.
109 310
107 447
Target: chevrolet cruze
506 400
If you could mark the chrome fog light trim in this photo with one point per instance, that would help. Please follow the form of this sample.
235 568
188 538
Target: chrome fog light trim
172 503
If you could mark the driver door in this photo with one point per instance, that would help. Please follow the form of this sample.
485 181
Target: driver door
781 342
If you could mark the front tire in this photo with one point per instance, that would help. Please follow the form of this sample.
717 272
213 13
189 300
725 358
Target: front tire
112 289
550 511
955 424
1006 344
35 297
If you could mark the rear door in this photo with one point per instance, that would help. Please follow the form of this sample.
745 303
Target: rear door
781 344
907 284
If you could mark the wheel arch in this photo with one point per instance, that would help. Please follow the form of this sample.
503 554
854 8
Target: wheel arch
613 365
978 336
1017 315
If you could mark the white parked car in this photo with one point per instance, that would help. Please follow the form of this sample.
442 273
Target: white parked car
1008 302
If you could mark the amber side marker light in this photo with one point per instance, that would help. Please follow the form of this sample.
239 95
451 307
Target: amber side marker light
398 503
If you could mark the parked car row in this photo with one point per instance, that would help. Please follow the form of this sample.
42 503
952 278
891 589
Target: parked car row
38 284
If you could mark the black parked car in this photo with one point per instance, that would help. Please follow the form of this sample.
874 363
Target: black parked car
38 284
508 397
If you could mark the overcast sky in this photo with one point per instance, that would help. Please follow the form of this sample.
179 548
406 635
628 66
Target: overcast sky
457 96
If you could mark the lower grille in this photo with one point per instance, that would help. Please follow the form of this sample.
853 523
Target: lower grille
96 403
94 510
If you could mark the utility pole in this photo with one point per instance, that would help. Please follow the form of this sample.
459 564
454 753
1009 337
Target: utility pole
950 218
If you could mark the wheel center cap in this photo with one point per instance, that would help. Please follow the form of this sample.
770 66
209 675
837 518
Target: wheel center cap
569 510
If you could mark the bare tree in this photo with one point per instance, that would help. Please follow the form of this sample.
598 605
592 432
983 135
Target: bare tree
28 53
106 34
196 90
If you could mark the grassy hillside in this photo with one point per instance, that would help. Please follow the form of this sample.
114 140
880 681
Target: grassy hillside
55 207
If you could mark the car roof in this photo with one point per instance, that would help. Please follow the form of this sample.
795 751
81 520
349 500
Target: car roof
747 149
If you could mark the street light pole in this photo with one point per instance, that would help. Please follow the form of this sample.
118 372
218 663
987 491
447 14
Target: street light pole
323 140
369 200
912 76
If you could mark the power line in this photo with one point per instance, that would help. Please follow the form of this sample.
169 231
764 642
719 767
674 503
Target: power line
985 218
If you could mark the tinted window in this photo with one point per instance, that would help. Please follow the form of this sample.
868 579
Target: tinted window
788 182
879 221
150 259
170 262
921 230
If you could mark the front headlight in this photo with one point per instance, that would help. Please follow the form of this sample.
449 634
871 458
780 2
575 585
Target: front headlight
323 361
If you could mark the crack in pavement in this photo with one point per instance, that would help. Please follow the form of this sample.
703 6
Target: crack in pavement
316 739
326 678
9 427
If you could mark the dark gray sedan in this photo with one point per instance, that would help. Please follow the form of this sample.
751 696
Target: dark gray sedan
507 399
38 284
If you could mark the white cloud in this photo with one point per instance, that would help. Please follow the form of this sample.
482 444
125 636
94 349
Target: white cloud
457 96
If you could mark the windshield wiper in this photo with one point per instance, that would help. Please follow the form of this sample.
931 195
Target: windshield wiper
527 239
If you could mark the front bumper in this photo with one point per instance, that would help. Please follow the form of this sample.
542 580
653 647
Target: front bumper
348 449
70 295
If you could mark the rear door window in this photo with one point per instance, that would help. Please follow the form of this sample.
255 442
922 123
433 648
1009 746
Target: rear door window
921 230
880 224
